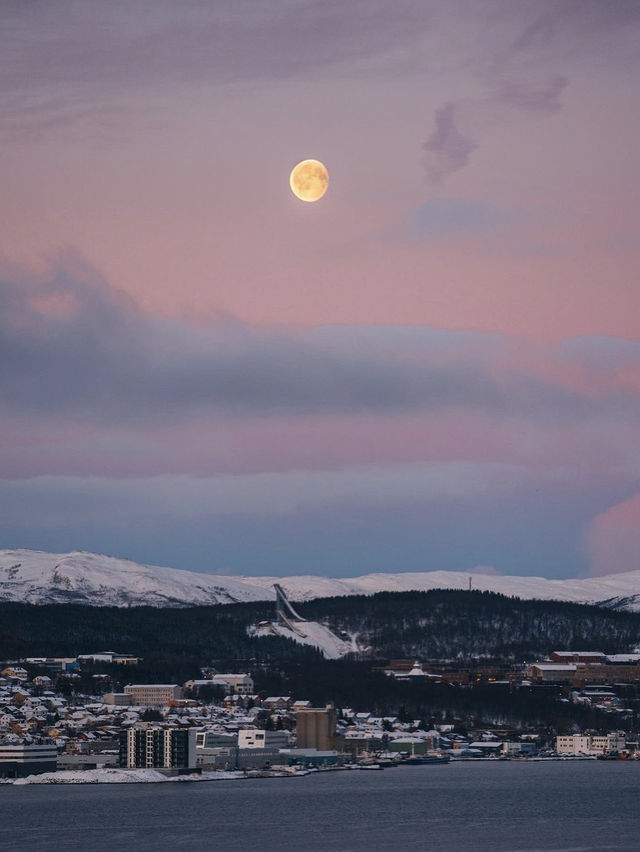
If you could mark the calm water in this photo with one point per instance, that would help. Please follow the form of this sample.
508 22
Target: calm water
490 806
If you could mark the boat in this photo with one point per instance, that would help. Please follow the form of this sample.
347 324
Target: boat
423 759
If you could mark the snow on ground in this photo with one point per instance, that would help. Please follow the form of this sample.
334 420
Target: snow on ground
118 776
311 633
39 577
144 776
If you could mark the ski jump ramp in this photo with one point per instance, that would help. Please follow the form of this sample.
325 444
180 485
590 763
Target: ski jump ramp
290 625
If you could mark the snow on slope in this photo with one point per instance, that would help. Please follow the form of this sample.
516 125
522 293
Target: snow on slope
38 577
311 633
615 590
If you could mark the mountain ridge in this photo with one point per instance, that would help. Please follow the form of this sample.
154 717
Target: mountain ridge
40 577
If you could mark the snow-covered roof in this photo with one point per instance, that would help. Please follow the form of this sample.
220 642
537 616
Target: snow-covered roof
578 653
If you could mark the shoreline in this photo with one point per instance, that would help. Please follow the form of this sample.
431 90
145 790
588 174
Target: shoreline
115 775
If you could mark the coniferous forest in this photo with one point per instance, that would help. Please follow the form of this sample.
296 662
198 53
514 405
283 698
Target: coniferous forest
434 626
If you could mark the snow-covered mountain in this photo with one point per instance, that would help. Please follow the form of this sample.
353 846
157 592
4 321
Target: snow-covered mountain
90 578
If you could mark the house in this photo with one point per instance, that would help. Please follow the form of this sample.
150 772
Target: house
15 673
277 702
551 672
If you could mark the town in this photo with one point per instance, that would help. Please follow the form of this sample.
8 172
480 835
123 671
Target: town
66 714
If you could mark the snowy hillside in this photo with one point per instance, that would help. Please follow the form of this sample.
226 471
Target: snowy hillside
90 578
38 577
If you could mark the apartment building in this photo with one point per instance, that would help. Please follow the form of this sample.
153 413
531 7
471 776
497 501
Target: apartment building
153 694
150 747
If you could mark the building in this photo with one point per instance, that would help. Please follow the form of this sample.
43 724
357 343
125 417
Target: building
573 744
234 684
18 760
216 739
248 738
54 664
577 657
149 747
117 699
583 744
306 756
316 728
277 702
109 657
552 672
153 694
15 672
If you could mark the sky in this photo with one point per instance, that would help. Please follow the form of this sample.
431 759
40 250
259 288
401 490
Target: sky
434 367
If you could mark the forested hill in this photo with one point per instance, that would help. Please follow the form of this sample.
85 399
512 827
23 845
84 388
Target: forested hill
438 625
444 625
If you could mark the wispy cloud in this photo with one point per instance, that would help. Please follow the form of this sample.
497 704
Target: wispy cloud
451 216
527 64
448 149
535 95
67 61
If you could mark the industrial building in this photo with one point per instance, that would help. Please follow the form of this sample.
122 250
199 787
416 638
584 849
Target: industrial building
316 728
20 759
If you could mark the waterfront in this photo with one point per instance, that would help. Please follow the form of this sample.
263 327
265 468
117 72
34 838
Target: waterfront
464 807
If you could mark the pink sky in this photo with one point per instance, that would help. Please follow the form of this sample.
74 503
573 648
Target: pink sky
484 165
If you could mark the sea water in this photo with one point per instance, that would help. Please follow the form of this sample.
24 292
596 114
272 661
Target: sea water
476 806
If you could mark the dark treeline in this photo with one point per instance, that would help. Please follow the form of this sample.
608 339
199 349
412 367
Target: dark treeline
446 625
434 626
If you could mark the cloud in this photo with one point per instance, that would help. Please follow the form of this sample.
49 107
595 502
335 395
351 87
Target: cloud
449 216
71 347
535 95
525 62
63 61
448 149
578 23
613 538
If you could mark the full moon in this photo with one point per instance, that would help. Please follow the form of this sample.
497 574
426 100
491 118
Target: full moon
309 180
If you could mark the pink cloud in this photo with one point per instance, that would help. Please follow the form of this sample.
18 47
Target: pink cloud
614 538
